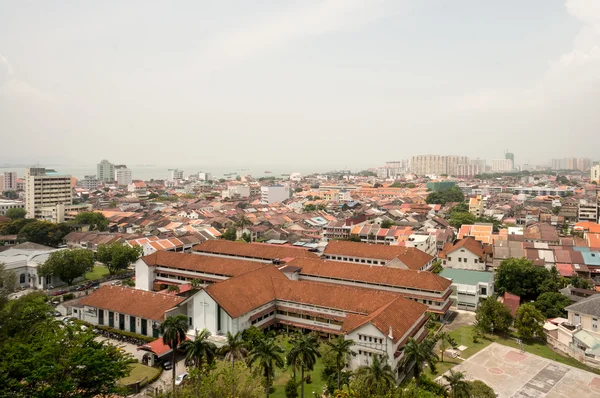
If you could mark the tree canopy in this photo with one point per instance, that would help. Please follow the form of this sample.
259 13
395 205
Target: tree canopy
230 234
552 304
529 322
16 213
42 359
492 315
68 265
43 233
95 220
117 256
519 276
442 197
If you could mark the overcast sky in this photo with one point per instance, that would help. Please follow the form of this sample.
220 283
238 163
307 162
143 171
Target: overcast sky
333 82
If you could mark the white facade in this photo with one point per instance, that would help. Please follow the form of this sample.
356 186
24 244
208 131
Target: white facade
425 243
6 205
502 165
45 188
274 194
90 183
204 176
62 212
463 258
23 261
123 176
236 191
595 174
175 174
105 171
8 181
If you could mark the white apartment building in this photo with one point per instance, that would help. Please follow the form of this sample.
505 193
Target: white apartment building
595 174
502 165
204 176
8 181
46 188
468 170
90 183
274 194
123 175
469 287
588 210
425 243
436 164
175 174
105 171
236 191
62 212
6 205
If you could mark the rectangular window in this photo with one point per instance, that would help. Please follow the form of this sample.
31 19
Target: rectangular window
595 323
460 259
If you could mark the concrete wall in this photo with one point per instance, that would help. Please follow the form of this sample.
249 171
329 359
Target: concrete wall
468 260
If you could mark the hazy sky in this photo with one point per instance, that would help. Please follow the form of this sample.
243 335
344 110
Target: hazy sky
332 82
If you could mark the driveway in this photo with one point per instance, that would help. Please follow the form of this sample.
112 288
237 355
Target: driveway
460 318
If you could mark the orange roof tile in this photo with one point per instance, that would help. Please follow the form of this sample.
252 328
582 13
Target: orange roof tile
251 250
413 258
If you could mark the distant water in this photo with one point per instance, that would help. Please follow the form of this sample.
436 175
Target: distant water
147 172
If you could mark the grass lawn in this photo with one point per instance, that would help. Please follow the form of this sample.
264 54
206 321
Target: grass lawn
138 372
464 336
97 272
283 375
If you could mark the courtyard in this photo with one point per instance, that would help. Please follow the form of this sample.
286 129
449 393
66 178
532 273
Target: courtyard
512 373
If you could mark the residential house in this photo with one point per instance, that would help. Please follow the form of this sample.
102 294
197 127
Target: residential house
466 253
469 287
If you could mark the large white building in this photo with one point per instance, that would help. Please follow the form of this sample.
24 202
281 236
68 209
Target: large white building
175 174
90 183
105 171
23 260
6 205
595 174
436 164
123 175
502 165
46 188
8 181
274 194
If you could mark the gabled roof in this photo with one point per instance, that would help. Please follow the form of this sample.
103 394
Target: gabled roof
469 243
208 264
126 300
588 306
251 250
413 258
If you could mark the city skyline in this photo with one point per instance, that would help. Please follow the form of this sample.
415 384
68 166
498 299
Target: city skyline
324 76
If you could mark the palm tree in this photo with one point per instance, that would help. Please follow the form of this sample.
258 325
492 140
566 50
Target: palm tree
173 330
419 353
243 222
234 349
376 378
173 288
196 283
458 385
267 355
445 340
199 350
304 354
341 348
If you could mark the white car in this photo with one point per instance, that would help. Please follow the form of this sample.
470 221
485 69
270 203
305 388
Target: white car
180 379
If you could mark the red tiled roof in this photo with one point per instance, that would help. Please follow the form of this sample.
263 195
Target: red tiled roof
250 250
468 243
197 263
413 258
125 300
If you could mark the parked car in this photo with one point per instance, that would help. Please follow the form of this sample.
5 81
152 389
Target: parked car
117 283
167 365
57 314
180 379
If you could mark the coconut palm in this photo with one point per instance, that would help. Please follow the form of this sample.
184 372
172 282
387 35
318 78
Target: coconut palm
445 341
200 350
419 353
267 355
377 378
234 349
458 385
173 330
342 350
304 354
243 222
196 283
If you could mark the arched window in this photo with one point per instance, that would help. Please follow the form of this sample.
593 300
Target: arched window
22 278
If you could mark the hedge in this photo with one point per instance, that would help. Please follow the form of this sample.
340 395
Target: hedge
118 331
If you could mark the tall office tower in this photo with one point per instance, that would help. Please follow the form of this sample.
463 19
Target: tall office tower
436 164
502 165
122 175
175 174
595 174
45 187
510 156
106 171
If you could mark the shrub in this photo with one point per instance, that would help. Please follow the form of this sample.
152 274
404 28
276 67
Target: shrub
291 389
68 296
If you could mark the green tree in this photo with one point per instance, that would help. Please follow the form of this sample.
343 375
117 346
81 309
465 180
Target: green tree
459 387
519 276
529 322
16 213
374 380
267 355
117 256
234 350
43 233
453 194
291 389
8 283
445 341
580 283
386 223
67 265
436 266
10 195
246 237
173 288
478 389
13 227
310 207
303 354
492 316
459 219
230 234
342 350
173 331
41 360
243 222
196 283
460 208
199 351
95 220
552 304
252 336
419 353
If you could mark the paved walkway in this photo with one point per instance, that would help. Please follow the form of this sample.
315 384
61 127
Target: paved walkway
515 374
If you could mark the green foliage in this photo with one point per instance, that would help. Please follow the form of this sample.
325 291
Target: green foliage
173 331
552 304
117 256
426 384
298 190
459 387
339 350
246 237
67 265
291 389
95 220
491 220
230 234
199 351
235 349
266 355
420 353
367 173
303 355
387 223
521 277
16 213
463 218
310 207
374 380
8 282
493 314
460 208
478 389
252 336
41 359
68 296
377 185
129 282
436 266
173 288
10 195
529 322
453 194
580 283
43 233
122 332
